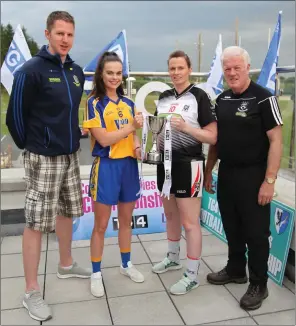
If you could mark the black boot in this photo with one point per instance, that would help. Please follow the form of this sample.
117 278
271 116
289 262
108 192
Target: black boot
254 297
221 278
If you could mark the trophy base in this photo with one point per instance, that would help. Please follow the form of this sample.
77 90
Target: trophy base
154 158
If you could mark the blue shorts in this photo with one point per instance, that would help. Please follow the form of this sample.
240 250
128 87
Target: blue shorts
114 180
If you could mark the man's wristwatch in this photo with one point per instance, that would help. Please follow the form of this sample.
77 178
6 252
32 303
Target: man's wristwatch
270 180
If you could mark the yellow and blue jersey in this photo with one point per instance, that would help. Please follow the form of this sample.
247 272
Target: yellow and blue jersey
111 115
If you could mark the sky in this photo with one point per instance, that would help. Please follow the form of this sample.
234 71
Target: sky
156 28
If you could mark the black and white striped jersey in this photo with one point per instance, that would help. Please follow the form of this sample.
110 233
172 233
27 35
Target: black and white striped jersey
243 120
194 106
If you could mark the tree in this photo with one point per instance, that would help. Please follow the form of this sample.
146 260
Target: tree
33 46
6 38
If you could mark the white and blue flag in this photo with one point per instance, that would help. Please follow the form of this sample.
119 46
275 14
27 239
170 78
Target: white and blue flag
117 45
268 72
214 84
18 53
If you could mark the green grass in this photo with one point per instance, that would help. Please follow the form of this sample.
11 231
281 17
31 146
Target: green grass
4 104
285 106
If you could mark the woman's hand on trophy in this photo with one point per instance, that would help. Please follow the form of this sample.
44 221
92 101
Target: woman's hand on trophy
138 120
178 123
138 152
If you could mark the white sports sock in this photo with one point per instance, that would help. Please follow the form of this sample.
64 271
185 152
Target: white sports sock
67 268
174 250
192 268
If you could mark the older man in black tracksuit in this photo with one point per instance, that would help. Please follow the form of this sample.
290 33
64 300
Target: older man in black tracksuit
249 146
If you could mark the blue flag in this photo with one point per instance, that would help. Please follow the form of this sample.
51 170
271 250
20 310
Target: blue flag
268 71
117 45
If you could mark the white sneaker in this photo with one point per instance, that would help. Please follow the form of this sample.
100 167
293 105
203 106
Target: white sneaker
96 285
184 285
166 265
132 273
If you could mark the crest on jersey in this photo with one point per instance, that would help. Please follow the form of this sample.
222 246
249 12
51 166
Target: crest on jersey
243 108
185 108
76 81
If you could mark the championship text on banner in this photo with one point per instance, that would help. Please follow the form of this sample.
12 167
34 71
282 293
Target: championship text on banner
281 228
148 216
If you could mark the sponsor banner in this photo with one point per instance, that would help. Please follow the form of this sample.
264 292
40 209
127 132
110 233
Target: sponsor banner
148 215
281 228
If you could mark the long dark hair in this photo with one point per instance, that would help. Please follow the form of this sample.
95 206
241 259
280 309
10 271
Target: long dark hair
99 89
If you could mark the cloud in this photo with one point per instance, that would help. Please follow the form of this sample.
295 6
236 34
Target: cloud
155 28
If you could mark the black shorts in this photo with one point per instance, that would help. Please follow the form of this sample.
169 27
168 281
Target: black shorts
187 178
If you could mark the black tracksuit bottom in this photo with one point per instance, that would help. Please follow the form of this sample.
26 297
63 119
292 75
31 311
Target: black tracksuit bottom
245 222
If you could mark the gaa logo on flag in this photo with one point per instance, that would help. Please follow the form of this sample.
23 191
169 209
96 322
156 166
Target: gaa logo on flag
14 58
281 220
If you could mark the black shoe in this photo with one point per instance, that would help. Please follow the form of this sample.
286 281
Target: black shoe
254 297
221 278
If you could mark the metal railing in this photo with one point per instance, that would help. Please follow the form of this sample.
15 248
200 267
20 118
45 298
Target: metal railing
12 156
193 74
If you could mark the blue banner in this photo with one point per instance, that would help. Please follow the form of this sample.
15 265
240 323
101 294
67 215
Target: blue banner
118 45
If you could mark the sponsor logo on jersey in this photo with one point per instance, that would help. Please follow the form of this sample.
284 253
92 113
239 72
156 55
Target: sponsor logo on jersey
54 79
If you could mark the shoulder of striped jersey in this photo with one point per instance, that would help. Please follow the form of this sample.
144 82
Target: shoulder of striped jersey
261 92
93 100
128 100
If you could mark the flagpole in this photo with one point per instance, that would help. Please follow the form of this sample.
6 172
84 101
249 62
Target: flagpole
292 148
236 32
199 45
128 75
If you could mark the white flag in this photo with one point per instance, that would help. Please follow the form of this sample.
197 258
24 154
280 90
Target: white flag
214 84
18 53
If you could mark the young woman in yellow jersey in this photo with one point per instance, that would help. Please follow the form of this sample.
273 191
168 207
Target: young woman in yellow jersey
114 178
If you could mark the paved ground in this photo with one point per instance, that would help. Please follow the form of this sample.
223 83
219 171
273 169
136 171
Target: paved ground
127 303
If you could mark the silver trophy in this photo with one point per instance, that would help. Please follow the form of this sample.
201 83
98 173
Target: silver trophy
155 125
